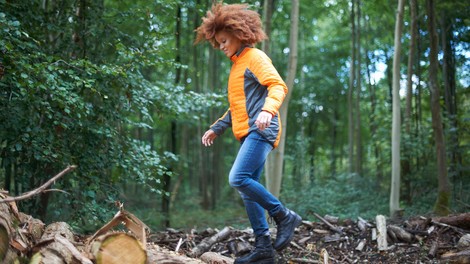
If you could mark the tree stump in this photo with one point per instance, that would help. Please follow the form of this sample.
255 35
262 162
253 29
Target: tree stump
116 248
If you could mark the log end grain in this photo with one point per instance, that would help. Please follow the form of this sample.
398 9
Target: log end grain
117 248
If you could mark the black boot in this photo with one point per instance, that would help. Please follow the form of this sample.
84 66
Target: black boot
286 221
262 254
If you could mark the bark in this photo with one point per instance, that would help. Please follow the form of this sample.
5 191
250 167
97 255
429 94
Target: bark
396 122
442 204
275 162
268 9
215 258
352 78
460 220
381 232
50 250
450 95
6 230
357 129
461 257
409 97
400 234
206 244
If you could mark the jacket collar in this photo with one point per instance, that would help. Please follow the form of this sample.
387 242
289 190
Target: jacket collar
244 49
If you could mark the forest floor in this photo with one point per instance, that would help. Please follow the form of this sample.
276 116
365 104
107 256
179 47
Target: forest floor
419 240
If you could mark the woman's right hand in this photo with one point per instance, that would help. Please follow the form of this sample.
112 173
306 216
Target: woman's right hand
208 138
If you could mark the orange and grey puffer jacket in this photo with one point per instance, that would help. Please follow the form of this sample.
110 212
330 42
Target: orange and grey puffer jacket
254 85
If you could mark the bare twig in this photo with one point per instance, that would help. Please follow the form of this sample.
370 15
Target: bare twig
40 189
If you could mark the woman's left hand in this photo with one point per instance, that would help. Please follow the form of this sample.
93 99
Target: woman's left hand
264 120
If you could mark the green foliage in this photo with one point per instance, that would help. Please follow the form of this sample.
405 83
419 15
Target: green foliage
58 110
114 89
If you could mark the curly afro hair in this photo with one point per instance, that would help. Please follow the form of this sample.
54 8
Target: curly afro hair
235 19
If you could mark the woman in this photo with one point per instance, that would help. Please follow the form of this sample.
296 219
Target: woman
255 94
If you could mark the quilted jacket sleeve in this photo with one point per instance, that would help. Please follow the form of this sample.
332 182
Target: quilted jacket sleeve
222 123
268 76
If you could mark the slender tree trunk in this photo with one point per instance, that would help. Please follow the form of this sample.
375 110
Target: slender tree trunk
352 78
166 181
275 162
448 70
334 139
409 97
268 9
442 206
396 122
358 162
418 93
373 106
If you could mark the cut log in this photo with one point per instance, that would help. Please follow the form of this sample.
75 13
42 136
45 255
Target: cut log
207 243
461 257
460 220
464 242
215 258
381 232
33 226
362 224
161 255
134 224
7 218
53 251
400 233
4 237
433 250
115 248
361 245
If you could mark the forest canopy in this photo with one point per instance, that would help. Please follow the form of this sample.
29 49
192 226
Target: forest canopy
119 89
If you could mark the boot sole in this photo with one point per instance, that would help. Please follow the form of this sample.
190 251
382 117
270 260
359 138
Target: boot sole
264 261
298 221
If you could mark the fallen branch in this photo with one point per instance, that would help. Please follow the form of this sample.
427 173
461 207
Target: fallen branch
332 227
40 189
206 244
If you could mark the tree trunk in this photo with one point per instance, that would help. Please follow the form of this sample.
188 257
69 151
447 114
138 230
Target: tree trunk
357 130
396 123
352 78
275 162
409 96
442 206
450 95
268 9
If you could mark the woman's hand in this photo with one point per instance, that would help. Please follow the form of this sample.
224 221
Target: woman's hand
208 138
264 120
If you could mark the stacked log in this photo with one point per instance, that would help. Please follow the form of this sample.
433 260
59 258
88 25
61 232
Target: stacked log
114 248
56 246
8 216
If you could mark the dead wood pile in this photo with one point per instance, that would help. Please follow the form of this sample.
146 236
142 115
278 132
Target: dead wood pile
24 239
329 240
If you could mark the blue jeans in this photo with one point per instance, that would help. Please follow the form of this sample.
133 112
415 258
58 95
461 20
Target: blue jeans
244 177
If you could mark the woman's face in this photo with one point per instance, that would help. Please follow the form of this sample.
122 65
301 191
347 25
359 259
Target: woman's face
228 43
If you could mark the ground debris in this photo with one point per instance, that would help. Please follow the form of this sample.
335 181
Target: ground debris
415 240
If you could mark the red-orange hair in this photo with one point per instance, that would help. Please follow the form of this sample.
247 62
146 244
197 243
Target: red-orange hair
235 19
